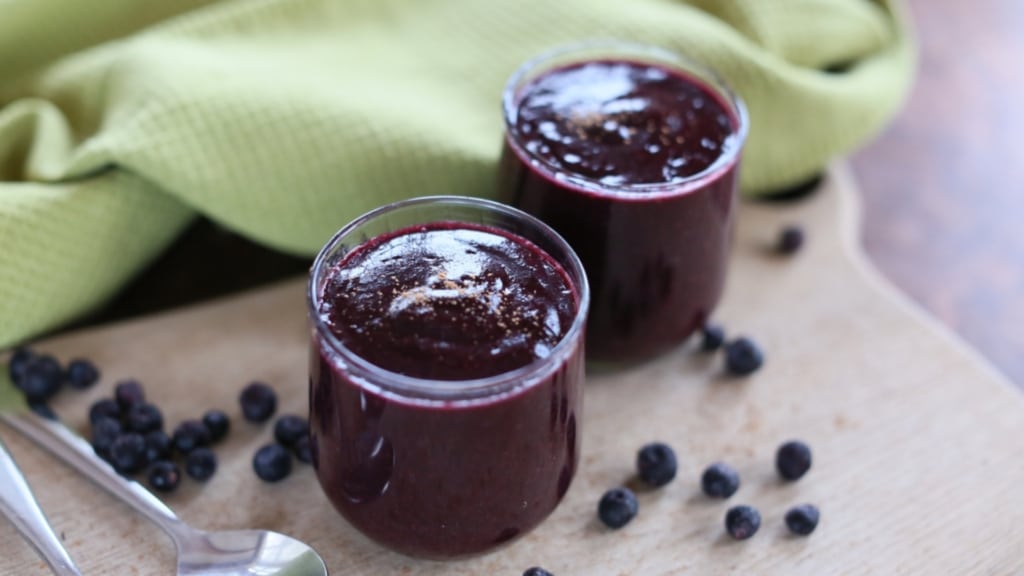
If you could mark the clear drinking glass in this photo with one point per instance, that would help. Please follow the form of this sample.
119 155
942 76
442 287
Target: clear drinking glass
653 236
445 467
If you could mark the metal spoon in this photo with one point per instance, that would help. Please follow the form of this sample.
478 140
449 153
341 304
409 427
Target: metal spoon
234 552
20 506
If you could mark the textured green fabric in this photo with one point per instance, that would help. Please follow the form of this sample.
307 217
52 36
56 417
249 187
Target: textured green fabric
122 120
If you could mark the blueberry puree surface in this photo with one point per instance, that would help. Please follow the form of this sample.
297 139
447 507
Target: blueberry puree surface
446 303
449 302
622 123
636 166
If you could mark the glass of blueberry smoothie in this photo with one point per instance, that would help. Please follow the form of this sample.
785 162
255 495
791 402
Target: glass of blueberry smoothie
632 154
446 373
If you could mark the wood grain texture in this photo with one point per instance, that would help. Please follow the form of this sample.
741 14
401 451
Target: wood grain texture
918 459
944 185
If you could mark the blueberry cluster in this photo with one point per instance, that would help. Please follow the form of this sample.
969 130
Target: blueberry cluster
273 462
742 355
128 432
40 377
656 466
792 461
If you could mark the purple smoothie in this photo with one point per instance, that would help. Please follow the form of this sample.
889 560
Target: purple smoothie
635 164
439 307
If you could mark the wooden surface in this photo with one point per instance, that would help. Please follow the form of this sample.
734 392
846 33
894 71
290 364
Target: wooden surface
917 469
944 185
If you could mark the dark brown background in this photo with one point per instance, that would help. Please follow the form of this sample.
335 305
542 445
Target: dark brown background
943 187
944 209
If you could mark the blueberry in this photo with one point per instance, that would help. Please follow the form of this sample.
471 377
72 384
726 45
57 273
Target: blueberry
743 356
144 417
201 463
127 393
19 361
105 408
742 522
258 402
42 379
713 337
303 450
217 423
189 435
164 476
537 571
791 238
43 409
272 463
159 446
104 432
802 519
720 480
656 464
128 453
793 460
81 374
617 507
289 428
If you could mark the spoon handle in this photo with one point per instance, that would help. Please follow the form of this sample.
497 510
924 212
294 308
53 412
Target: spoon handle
78 454
20 506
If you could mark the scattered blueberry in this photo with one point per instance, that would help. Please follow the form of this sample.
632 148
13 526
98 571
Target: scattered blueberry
791 239
19 361
144 417
43 409
104 432
189 435
201 463
537 571
81 374
217 423
159 446
617 507
720 480
41 379
742 522
743 356
289 428
713 337
128 453
303 450
802 519
164 476
793 460
105 408
656 464
258 402
272 463
128 392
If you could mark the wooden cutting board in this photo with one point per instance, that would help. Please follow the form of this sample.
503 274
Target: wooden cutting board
918 444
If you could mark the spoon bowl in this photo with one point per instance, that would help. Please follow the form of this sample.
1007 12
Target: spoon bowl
200 553
241 551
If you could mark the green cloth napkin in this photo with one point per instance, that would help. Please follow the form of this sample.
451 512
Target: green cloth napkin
121 120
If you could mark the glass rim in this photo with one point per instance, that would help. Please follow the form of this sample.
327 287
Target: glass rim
651 190
448 392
